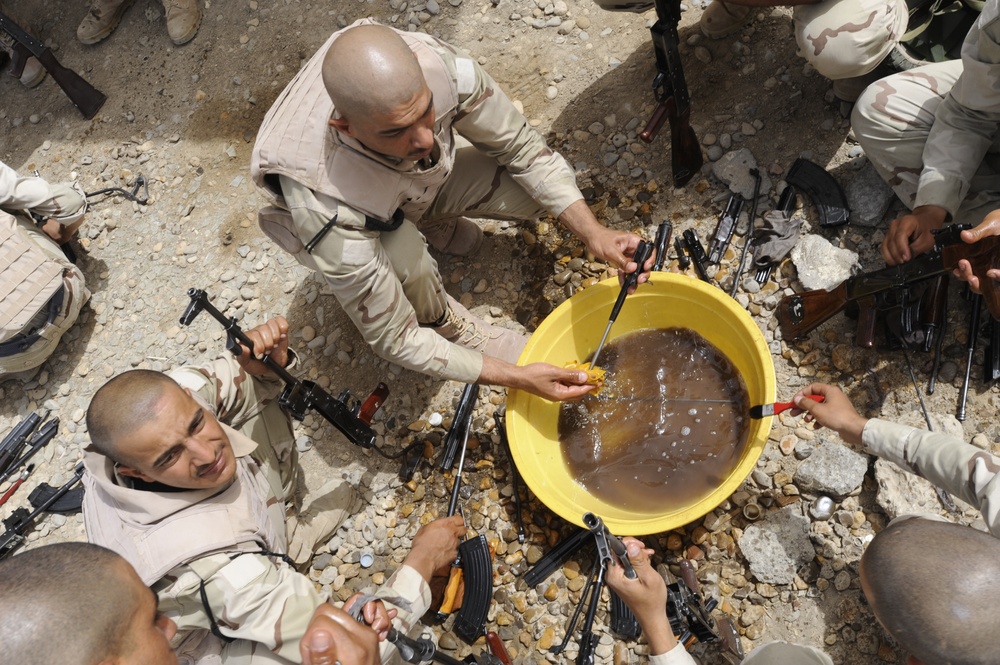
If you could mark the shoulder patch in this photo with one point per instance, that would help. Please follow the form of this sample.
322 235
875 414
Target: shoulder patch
466 70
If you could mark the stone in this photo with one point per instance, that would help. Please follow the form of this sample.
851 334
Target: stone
777 545
832 469
820 265
733 168
868 197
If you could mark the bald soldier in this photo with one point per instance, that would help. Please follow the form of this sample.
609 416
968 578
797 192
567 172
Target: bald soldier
81 604
191 478
388 141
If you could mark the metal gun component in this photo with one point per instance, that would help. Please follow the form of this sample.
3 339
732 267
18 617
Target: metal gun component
697 253
725 228
970 349
749 237
660 242
640 256
682 258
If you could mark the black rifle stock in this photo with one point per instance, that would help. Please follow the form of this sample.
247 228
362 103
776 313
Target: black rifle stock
20 520
84 96
671 91
800 313
346 413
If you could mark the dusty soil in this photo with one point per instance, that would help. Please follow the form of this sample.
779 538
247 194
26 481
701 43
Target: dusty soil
186 117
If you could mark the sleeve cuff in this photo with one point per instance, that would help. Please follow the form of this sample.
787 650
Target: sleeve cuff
887 440
676 656
938 190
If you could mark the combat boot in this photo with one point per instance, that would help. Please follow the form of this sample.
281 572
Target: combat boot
33 72
183 19
721 19
467 330
101 20
459 236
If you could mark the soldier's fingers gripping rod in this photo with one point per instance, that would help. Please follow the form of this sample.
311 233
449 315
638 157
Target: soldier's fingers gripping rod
640 256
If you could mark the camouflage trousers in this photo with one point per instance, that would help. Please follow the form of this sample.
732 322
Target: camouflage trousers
892 120
477 187
75 292
848 38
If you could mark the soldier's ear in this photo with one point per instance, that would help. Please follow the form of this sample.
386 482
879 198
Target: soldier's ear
134 473
342 125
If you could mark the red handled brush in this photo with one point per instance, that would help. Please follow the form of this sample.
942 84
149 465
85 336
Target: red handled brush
765 410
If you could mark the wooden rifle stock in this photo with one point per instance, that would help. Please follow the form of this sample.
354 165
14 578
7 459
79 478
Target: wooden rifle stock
800 313
864 337
84 96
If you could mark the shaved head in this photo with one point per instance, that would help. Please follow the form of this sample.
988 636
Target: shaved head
933 586
121 406
68 603
369 70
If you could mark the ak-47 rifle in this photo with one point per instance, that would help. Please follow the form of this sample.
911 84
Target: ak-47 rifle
671 91
800 313
669 87
11 444
21 520
37 441
471 573
84 96
346 412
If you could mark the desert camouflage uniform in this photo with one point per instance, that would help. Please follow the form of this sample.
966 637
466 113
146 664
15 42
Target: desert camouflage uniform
955 466
66 205
932 133
847 38
387 281
259 602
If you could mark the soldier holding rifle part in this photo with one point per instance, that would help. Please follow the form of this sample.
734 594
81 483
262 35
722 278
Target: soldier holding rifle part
388 141
931 133
191 479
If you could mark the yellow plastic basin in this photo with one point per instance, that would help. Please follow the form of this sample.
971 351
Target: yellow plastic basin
573 331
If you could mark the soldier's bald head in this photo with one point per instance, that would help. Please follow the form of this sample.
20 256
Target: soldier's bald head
121 406
932 585
370 70
68 603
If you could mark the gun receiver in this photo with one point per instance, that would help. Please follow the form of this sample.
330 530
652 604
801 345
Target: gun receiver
12 443
725 228
671 91
800 313
84 96
346 413
19 521
38 440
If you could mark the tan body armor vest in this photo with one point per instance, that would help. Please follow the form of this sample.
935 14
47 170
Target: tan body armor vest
296 140
28 279
158 531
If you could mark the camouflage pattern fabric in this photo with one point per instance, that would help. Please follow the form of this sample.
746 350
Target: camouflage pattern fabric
848 38
931 132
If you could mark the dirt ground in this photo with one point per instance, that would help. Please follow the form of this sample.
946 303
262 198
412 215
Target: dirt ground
186 118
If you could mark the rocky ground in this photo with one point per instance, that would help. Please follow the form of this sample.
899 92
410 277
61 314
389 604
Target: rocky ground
185 118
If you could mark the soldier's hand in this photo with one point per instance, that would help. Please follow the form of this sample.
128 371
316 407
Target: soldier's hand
618 248
911 235
270 337
375 615
554 383
835 411
990 226
646 596
333 635
436 545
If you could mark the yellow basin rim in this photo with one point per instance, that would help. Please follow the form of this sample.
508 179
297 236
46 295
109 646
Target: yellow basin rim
572 332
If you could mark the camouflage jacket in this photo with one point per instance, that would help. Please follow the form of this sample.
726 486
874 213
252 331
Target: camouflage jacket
261 605
950 463
966 121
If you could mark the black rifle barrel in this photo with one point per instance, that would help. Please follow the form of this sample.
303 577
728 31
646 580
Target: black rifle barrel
970 349
459 424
